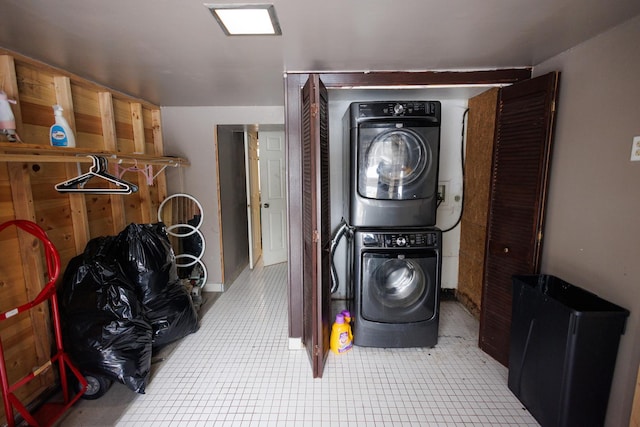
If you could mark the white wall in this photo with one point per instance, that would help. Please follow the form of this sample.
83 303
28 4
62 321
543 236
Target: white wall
592 233
189 132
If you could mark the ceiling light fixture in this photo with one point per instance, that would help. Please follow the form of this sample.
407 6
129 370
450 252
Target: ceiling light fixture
246 19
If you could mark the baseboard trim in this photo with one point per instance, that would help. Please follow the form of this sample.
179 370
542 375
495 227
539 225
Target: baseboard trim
295 344
448 294
213 287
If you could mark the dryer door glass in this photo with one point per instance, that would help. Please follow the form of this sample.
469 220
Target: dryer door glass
390 162
398 288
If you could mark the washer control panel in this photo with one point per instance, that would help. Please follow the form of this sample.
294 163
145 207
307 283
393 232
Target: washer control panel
400 240
399 108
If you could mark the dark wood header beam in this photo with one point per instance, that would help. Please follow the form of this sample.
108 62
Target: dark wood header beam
422 78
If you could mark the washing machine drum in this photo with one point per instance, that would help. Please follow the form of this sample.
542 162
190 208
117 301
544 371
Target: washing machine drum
392 161
397 289
398 283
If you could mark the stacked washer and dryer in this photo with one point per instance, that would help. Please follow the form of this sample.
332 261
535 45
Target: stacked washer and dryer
390 203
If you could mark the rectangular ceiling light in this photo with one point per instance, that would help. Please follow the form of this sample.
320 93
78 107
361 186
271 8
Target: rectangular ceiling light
245 19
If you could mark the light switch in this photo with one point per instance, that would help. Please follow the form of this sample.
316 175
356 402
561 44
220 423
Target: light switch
635 149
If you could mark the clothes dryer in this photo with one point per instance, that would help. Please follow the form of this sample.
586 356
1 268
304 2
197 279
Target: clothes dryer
396 287
392 171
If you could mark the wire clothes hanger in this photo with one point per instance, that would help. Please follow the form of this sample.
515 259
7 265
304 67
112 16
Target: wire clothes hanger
97 170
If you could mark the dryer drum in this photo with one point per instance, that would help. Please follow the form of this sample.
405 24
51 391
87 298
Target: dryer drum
393 159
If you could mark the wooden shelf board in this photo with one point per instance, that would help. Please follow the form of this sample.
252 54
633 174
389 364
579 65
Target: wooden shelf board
19 152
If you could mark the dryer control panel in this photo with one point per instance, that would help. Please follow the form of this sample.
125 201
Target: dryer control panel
381 109
400 240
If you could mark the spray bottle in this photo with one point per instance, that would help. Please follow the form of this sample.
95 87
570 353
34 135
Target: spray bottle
340 341
61 133
7 119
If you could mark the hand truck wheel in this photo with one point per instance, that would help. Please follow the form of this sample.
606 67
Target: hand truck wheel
97 386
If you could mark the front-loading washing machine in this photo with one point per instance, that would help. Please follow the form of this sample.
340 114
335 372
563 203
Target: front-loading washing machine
396 287
391 174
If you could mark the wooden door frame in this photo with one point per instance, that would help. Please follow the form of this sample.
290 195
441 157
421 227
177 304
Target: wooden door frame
293 83
251 192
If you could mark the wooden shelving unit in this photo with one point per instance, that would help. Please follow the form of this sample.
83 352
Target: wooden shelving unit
106 123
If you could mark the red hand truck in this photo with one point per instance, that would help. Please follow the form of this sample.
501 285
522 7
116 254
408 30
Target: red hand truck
49 412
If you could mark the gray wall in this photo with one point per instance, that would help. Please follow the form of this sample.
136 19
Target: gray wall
592 234
190 132
233 202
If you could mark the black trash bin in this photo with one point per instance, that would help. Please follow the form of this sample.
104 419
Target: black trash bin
564 343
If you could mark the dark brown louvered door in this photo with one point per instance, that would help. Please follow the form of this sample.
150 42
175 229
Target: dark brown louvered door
316 222
522 151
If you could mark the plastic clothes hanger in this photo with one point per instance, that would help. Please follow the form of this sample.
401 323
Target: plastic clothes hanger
97 170
147 171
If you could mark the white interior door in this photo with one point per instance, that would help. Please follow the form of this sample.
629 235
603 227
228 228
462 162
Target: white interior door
253 197
273 195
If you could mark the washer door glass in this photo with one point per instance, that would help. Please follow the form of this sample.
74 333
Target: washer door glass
390 163
398 289
398 283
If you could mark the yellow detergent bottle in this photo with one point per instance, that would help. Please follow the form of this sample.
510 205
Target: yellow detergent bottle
347 319
340 341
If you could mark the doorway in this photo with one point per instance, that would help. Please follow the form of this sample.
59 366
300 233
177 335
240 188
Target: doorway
241 189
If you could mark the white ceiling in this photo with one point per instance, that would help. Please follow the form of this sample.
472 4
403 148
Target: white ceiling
172 52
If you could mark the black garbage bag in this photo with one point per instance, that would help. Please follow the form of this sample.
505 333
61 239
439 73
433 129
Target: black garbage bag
120 300
147 258
105 330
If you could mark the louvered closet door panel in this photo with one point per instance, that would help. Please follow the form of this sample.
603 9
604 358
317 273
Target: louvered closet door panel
519 181
315 222
325 226
308 220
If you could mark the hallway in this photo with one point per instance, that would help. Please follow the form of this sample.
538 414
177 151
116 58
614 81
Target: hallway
237 370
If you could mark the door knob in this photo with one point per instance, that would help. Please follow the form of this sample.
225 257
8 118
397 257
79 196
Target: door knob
266 205
506 250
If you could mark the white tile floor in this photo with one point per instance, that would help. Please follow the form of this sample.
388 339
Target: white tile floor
237 370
